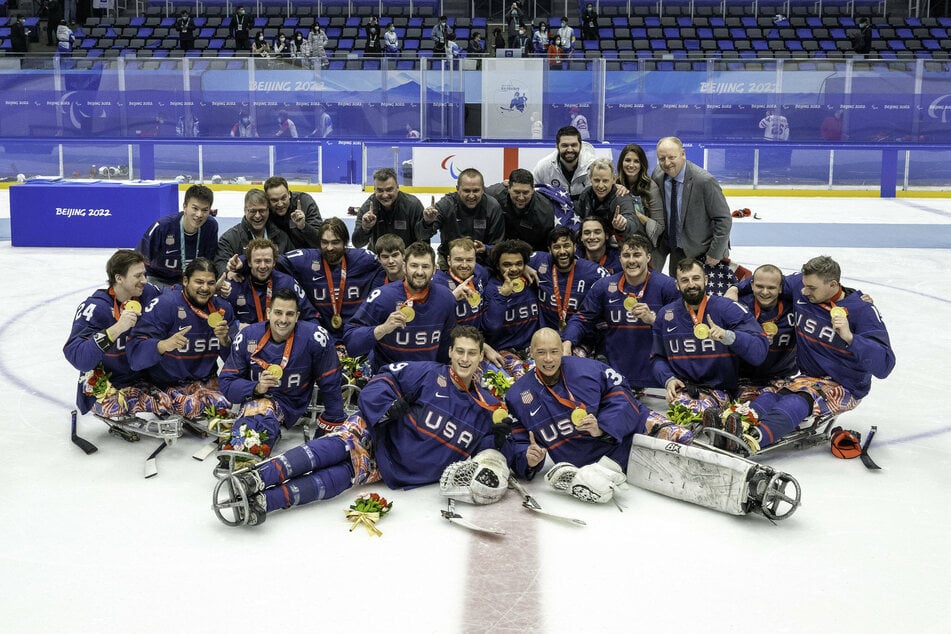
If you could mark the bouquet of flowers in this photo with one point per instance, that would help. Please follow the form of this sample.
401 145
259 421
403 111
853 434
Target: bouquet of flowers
497 382
250 440
682 415
749 419
356 370
96 383
220 420
368 510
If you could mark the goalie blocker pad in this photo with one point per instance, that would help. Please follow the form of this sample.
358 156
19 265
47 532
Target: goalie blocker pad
482 479
716 480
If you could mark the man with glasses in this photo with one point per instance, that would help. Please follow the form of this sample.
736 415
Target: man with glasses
295 213
255 225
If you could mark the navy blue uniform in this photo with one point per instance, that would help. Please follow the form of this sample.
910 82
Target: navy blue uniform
249 311
466 314
166 254
510 321
586 273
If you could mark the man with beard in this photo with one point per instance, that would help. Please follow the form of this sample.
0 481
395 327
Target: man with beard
251 295
175 240
388 210
296 214
254 225
405 321
563 280
511 306
567 167
100 333
335 278
180 338
527 217
625 306
699 340
698 220
593 244
271 371
466 213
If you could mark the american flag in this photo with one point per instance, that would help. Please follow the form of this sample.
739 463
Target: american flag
565 215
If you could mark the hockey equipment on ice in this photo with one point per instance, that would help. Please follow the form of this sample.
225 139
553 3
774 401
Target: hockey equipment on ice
132 428
593 483
238 499
811 434
482 479
450 514
711 477
82 443
532 505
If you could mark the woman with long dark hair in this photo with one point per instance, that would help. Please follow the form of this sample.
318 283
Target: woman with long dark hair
632 174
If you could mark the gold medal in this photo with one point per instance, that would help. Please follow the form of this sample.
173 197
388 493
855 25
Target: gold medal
499 415
770 328
562 325
214 319
336 321
474 299
132 305
630 303
518 285
701 331
275 370
838 311
577 415
408 313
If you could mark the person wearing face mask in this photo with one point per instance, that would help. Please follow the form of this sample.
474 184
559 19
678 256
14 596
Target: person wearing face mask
260 47
391 42
240 28
373 47
282 48
298 48
186 31
318 42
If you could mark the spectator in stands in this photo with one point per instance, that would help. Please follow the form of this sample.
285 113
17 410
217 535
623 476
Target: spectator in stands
391 42
69 11
567 38
540 40
373 47
589 23
244 127
498 41
260 47
298 44
240 28
64 38
555 53
53 17
523 41
476 46
318 42
324 125
282 48
19 36
515 19
186 31
440 36
453 50
287 128
862 39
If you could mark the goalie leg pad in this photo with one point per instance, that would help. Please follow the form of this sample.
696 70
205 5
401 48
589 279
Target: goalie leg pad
716 480
594 483
482 479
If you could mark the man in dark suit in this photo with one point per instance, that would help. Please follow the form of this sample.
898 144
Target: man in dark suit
697 214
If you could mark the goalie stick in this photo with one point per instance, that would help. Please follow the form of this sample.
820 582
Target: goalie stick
82 443
529 502
454 518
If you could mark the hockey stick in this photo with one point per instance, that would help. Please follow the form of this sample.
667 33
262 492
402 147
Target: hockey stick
867 459
82 443
454 518
151 466
529 502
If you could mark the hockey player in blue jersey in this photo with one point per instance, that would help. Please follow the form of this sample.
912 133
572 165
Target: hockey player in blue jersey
180 338
580 410
698 341
98 340
175 240
511 305
563 279
390 251
271 372
405 321
421 419
593 244
626 306
841 342
335 278
250 295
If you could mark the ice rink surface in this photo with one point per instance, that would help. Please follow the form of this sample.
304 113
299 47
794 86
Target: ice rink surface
89 545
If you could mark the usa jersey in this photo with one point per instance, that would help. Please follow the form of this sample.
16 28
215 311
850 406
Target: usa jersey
167 256
312 359
821 352
677 352
444 424
781 359
509 322
425 338
600 389
586 273
248 311
466 314
94 315
610 261
198 360
627 339
307 267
